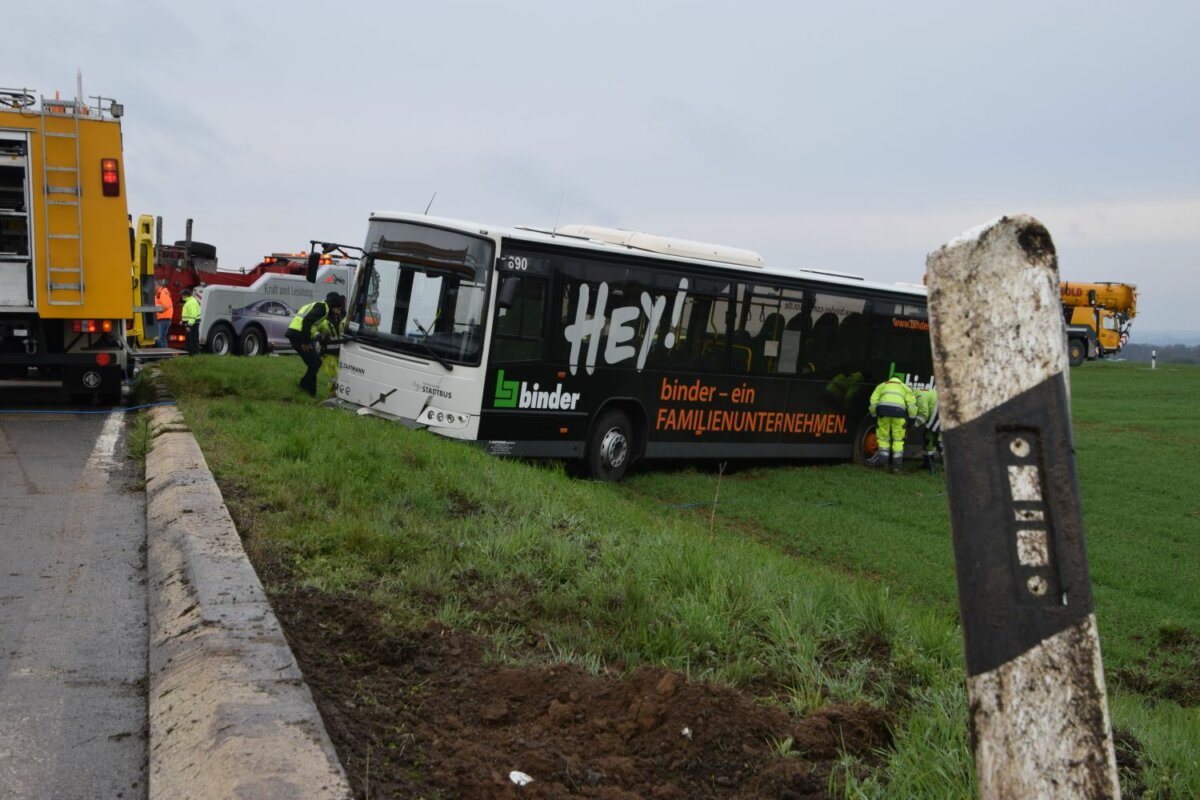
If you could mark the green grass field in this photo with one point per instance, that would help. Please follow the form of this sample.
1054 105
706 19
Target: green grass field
803 584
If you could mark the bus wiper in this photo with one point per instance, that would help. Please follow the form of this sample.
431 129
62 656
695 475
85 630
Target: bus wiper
429 349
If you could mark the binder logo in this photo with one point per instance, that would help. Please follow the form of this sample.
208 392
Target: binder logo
513 394
506 391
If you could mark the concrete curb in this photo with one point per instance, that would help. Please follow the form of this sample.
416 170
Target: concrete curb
230 714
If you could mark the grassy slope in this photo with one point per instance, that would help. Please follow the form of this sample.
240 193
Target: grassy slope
789 587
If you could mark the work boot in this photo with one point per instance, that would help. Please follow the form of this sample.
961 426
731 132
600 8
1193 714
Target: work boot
880 459
897 462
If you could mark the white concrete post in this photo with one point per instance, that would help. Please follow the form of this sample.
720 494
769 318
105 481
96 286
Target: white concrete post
1153 358
1039 718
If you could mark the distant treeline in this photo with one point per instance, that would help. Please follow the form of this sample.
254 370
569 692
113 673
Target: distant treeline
1165 354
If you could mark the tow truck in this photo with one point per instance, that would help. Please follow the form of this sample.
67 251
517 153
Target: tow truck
244 312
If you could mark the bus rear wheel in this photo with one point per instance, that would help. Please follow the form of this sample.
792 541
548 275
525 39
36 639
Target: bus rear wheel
865 443
610 447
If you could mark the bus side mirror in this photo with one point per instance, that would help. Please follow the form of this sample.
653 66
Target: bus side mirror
508 292
310 271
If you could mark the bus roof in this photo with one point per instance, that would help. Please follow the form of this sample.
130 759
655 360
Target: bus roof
591 237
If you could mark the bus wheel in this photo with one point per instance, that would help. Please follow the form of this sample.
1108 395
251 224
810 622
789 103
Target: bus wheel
610 448
865 443
220 340
253 343
1075 352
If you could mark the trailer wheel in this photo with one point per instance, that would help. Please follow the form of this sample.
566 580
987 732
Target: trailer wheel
253 342
610 447
220 339
1076 352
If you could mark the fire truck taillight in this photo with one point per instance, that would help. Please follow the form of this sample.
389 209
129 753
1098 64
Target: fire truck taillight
92 325
103 359
110 177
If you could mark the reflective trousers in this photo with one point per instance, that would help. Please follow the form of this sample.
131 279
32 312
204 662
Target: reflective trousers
889 433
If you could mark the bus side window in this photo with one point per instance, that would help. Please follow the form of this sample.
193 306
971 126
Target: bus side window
518 328
819 348
790 346
695 349
852 340
714 353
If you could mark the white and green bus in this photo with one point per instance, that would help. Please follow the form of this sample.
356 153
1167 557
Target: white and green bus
605 346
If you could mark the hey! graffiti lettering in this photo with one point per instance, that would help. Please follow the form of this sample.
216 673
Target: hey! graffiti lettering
622 327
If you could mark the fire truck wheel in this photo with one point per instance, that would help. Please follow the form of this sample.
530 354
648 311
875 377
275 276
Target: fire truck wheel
220 340
610 447
200 249
253 342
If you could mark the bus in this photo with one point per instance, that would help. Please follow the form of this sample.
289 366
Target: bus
604 347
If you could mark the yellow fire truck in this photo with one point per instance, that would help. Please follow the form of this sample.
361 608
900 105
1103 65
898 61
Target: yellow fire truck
64 243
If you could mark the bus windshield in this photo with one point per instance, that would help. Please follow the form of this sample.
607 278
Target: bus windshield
422 291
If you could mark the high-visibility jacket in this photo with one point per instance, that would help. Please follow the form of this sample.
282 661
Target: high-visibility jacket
311 319
162 298
893 398
926 405
191 311
327 329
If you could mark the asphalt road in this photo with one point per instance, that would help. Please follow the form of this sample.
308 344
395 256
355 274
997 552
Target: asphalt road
73 635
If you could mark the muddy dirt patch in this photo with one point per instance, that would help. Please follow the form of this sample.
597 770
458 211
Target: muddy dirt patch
1170 669
428 714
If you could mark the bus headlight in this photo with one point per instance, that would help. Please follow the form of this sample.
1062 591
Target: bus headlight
441 418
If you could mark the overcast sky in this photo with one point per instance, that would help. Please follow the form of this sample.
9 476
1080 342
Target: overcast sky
846 136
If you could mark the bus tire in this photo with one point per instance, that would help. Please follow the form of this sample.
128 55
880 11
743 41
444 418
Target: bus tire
220 339
1076 352
610 447
253 342
865 444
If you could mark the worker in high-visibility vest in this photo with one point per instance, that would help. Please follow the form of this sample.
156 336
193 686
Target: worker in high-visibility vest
316 319
190 317
926 412
166 312
893 404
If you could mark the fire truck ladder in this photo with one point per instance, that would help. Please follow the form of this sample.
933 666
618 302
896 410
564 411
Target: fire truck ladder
61 196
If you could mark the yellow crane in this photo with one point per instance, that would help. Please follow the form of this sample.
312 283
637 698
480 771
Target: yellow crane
1098 317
